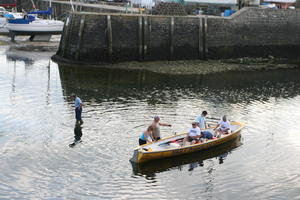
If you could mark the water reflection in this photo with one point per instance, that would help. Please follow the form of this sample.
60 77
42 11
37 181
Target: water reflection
77 135
192 160
154 88
27 57
26 60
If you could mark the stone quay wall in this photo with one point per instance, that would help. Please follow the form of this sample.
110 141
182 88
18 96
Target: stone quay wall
251 32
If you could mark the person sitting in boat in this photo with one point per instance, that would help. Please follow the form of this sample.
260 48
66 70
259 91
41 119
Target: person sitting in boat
205 135
193 134
201 120
223 127
146 136
156 127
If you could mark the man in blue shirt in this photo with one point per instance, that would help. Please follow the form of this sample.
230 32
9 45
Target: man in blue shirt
205 135
201 120
78 109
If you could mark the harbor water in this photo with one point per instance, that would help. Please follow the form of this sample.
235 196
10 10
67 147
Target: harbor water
37 125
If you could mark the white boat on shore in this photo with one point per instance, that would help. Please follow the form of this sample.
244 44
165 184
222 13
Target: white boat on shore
3 29
30 24
4 21
36 26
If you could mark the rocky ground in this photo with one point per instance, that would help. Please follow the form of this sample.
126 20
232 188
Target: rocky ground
209 66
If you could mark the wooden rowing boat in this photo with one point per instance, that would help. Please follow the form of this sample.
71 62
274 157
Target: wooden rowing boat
170 146
219 152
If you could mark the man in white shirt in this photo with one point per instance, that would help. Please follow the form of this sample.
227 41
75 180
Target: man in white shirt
223 127
193 134
201 120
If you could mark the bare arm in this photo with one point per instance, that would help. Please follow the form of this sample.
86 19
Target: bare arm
164 124
217 126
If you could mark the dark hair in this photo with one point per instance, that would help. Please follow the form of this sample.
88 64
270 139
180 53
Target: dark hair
204 112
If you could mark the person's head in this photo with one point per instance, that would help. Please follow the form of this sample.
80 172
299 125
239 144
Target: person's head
204 113
156 118
73 95
224 118
150 129
194 124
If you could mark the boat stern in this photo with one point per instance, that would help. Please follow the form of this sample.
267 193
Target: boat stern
135 157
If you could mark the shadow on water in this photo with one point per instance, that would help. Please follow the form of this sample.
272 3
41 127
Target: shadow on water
193 160
231 87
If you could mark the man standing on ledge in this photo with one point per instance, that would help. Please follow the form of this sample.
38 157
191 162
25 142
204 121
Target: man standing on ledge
78 109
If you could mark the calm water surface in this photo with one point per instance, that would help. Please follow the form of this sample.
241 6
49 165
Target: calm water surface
37 124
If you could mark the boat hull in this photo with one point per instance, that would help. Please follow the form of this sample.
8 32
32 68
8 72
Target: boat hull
141 156
41 27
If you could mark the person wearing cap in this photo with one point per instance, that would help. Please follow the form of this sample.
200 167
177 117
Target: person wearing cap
223 127
193 134
201 120
156 127
78 109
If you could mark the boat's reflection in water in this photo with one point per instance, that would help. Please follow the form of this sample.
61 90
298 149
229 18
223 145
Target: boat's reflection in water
193 160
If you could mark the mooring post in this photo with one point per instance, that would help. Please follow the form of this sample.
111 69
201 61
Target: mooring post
171 39
80 33
140 37
62 42
109 37
200 39
205 37
145 37
69 24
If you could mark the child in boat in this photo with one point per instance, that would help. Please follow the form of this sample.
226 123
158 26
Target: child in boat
193 134
223 127
146 136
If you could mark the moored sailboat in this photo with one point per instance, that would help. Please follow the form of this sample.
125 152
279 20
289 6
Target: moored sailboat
36 27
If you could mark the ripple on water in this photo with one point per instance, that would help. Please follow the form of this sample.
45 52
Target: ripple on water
37 124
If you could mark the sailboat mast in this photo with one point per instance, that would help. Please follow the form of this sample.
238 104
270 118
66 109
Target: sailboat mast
50 7
33 5
72 5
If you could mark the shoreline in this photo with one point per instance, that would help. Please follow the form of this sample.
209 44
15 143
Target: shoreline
192 67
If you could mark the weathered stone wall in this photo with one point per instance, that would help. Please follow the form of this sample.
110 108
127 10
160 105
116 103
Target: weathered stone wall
90 37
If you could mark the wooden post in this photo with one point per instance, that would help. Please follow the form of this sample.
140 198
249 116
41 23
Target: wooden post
200 39
140 37
62 42
69 24
80 33
171 39
109 38
205 38
145 37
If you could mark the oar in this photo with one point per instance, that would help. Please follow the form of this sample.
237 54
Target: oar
213 118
